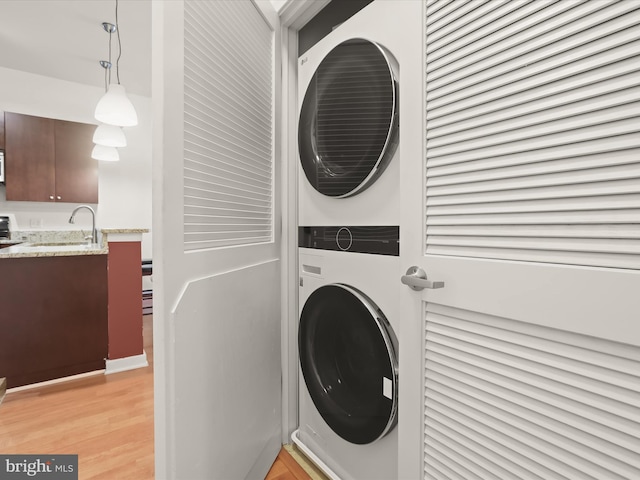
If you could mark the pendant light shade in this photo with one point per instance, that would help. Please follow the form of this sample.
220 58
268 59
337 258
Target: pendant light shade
107 154
109 136
115 108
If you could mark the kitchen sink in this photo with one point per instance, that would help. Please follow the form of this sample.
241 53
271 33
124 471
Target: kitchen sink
58 246
55 244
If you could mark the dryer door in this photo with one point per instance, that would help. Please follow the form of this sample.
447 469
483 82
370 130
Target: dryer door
348 355
348 129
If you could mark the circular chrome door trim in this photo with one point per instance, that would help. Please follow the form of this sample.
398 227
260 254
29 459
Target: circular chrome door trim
388 148
326 401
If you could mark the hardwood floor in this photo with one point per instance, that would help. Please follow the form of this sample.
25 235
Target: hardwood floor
286 468
107 420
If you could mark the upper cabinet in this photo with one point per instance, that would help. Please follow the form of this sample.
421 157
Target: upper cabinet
76 171
29 143
49 160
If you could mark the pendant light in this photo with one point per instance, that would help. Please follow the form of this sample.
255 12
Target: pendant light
107 154
115 108
109 136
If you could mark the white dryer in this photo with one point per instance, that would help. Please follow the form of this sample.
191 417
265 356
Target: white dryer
347 339
349 124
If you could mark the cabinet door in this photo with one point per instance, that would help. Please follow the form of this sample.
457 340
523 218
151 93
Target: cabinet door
54 317
76 178
30 164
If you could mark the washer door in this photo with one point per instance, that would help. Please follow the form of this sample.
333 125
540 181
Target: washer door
349 363
348 129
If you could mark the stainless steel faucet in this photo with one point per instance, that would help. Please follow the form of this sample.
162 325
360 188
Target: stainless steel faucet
94 232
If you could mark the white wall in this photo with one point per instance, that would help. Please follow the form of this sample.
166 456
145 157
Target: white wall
124 186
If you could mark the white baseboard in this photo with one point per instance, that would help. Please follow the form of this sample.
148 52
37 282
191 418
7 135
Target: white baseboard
126 363
55 380
112 366
313 457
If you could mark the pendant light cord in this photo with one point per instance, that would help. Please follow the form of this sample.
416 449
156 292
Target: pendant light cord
106 79
107 64
119 46
109 60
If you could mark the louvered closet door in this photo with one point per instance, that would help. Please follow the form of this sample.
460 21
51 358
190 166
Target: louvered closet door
228 128
218 370
528 208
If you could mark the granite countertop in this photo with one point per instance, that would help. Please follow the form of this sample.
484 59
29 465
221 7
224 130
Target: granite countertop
59 243
51 250
124 230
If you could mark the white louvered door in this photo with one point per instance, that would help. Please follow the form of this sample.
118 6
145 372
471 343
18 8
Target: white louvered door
217 326
527 363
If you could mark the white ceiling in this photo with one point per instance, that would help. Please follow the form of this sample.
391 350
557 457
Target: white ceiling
64 39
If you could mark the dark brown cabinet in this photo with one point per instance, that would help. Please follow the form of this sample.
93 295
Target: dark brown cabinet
49 160
30 174
76 171
54 317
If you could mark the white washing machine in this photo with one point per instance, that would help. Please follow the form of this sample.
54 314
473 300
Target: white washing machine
350 124
348 348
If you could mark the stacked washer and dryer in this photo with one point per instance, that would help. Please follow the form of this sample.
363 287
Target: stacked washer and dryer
349 208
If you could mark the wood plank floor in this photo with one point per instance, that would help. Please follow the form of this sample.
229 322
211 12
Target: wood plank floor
286 468
106 419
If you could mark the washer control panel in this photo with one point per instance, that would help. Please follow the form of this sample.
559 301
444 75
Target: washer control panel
377 240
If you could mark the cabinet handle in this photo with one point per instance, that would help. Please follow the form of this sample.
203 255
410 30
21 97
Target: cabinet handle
59 197
50 197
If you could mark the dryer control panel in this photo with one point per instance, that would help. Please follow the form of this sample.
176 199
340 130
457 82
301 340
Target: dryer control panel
377 240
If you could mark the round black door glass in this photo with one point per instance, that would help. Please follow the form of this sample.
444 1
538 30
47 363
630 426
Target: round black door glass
348 361
348 129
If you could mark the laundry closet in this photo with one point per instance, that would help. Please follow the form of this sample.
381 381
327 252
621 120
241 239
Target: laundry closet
389 246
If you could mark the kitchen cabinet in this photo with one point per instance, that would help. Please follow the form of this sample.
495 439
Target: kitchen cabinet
49 160
76 171
54 317
29 142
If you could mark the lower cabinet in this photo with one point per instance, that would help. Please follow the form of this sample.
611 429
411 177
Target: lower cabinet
53 317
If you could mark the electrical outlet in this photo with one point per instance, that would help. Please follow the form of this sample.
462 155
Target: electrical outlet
35 222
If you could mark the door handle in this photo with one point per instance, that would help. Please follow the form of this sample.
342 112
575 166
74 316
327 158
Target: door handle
416 278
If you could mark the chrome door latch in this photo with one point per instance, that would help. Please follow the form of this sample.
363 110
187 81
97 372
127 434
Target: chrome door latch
416 279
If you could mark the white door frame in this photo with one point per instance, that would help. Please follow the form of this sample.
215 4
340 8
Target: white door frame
293 16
